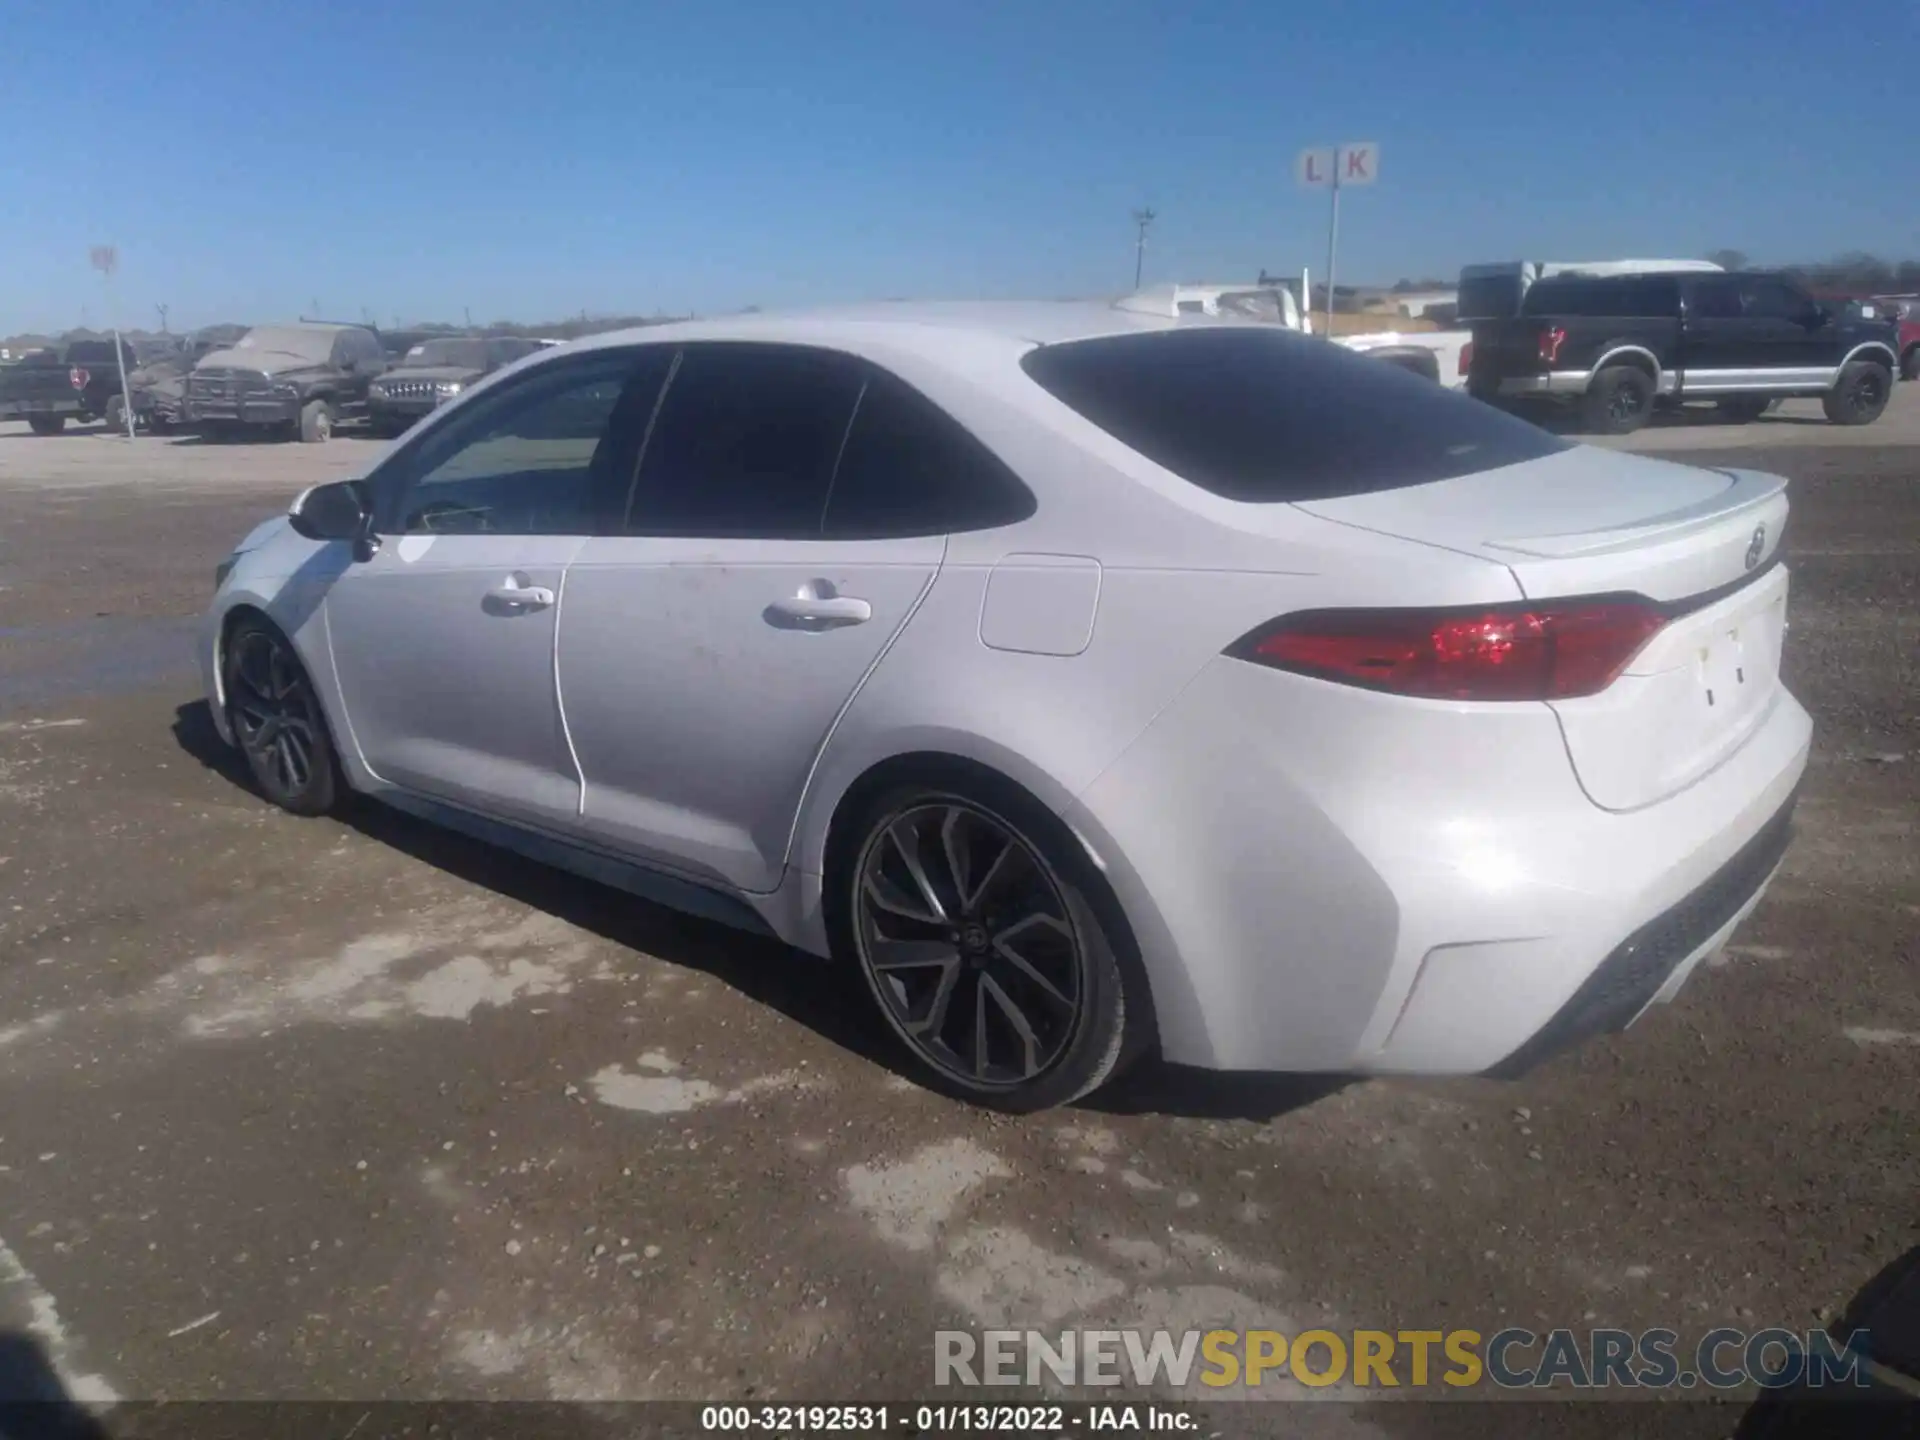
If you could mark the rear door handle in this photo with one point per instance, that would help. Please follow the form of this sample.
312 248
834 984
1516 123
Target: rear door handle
823 609
514 594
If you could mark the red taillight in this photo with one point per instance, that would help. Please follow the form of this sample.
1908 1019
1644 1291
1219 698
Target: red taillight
1551 651
1466 357
1551 339
78 378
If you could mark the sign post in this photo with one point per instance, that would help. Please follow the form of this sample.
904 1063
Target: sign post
1334 167
106 259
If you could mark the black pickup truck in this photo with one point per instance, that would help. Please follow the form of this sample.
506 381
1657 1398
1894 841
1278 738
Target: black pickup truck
286 380
74 383
1617 347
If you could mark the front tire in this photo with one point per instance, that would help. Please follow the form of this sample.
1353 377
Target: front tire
275 716
46 424
1618 402
974 923
1860 394
316 422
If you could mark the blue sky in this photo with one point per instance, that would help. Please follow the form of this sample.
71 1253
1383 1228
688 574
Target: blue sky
527 160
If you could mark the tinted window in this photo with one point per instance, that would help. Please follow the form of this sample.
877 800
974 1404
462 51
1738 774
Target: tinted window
1640 295
541 457
909 468
1772 300
745 442
1268 415
1714 300
1490 297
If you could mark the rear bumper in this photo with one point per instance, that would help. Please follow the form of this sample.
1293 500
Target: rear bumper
1560 382
1652 963
1325 879
37 405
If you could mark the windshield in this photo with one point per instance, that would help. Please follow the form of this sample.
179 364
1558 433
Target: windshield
313 346
1271 416
468 354
1253 304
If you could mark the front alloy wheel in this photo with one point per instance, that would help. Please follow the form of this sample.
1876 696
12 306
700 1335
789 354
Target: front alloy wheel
984 958
276 718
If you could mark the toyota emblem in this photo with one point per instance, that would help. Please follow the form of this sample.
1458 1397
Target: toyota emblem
1757 546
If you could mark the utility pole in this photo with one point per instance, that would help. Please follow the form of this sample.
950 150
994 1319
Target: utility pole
467 310
1143 218
163 318
106 259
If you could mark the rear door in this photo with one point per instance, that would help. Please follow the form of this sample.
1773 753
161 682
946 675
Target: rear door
779 536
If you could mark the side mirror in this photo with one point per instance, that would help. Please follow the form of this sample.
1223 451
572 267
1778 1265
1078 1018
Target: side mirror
340 511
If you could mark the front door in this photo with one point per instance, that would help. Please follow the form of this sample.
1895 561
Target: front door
711 648
1791 340
443 642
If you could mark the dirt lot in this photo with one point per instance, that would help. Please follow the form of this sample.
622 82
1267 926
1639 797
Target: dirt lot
357 1110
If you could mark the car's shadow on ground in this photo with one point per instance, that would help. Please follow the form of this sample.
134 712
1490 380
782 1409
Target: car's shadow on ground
34 1404
1887 1309
827 998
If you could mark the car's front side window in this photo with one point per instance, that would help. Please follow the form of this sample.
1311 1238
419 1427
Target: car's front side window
536 458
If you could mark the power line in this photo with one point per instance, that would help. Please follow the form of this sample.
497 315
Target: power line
1143 218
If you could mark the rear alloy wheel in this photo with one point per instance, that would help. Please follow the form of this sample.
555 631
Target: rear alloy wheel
46 424
276 718
1619 401
983 953
316 422
1860 394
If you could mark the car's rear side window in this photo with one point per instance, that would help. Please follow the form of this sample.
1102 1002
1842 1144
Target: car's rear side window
909 468
1637 295
1271 416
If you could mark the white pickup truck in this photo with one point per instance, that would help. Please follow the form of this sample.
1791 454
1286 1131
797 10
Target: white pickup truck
1441 356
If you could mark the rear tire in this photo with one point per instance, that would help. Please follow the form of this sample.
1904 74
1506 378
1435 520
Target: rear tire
275 716
316 422
46 424
116 416
969 914
1618 401
1910 366
1860 394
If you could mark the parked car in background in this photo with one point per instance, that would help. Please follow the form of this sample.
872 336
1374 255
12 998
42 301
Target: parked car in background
54 386
298 380
1093 684
1610 347
434 372
1438 356
1496 291
159 386
1904 311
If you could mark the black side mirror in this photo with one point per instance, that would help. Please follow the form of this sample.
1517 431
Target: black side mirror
340 511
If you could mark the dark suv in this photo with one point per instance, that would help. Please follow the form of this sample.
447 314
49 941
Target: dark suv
1614 347
285 379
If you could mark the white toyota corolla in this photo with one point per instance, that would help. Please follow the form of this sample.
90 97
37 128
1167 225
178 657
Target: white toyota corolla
1098 685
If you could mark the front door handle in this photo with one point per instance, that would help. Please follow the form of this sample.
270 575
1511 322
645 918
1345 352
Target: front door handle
515 595
821 609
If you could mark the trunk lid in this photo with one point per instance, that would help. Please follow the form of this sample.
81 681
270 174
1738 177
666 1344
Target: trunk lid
1699 542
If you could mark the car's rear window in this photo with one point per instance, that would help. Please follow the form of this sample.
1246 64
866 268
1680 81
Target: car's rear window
1267 415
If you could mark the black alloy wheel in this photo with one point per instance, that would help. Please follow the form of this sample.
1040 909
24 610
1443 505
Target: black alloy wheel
983 953
277 721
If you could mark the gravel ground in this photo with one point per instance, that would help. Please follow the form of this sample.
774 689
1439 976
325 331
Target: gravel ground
356 1110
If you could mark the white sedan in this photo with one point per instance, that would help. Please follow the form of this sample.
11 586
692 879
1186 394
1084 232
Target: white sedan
1100 685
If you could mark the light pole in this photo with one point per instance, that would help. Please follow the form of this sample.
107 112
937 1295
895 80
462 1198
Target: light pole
106 259
163 318
1143 218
